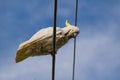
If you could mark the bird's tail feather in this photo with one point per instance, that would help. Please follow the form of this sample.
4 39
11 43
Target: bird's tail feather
21 55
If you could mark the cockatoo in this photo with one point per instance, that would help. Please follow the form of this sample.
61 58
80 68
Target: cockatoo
41 43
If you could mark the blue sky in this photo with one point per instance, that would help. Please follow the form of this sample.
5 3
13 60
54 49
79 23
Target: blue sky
98 44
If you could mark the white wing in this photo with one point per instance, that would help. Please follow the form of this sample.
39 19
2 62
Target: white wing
23 51
41 34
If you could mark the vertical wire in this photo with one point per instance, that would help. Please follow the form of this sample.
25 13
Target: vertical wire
53 66
54 40
76 12
74 55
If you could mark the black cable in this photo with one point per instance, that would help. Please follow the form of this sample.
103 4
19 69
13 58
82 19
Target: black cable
53 66
74 55
76 12
54 40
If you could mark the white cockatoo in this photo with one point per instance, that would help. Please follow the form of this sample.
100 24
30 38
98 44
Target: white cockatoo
41 43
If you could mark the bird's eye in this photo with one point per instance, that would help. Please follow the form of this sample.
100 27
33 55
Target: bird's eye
67 33
72 30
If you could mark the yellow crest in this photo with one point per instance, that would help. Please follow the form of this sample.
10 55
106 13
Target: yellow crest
67 24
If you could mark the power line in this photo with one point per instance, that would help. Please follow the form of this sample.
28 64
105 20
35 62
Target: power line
54 40
74 55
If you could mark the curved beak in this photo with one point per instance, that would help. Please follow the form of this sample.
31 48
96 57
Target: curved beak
76 33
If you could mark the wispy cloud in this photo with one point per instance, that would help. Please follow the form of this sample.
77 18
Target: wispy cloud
97 58
98 44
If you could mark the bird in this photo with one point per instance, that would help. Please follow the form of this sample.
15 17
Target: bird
41 43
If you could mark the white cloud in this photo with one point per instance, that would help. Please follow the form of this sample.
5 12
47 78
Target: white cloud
97 58
97 55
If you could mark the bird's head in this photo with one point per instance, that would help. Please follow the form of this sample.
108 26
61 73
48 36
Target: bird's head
70 30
